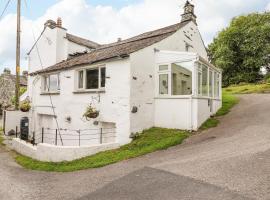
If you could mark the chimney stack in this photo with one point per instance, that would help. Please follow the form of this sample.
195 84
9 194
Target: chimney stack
188 14
119 40
59 22
25 73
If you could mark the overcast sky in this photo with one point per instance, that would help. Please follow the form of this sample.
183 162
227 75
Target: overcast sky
104 21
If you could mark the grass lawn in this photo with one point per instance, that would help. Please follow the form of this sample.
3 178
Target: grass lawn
149 141
1 137
248 89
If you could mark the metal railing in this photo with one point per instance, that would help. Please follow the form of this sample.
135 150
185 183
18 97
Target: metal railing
61 137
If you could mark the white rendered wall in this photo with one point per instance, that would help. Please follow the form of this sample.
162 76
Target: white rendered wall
114 104
13 119
51 153
143 70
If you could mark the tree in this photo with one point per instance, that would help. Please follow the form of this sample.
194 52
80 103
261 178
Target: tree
241 49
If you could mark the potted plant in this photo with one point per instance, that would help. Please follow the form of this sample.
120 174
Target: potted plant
25 106
91 113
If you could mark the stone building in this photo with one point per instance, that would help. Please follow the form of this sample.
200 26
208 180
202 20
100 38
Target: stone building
7 87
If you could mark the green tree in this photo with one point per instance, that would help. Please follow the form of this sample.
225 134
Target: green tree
242 48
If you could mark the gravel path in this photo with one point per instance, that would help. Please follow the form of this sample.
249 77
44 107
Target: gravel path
231 161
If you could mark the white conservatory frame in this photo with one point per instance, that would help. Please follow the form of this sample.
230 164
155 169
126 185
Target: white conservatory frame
169 58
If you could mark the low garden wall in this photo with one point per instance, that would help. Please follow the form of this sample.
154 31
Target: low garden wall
52 153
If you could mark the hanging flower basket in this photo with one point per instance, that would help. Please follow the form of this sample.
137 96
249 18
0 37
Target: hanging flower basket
25 106
91 113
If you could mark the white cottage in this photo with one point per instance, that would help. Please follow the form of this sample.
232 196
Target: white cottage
160 78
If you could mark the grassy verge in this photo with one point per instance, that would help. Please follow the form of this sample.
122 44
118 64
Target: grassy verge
149 141
248 89
1 137
228 101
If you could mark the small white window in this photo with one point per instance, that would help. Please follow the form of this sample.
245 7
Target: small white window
91 79
51 83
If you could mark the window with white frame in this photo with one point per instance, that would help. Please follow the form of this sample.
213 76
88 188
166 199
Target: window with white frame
181 79
91 78
51 83
175 79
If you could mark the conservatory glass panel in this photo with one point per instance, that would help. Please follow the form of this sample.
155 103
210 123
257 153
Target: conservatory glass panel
163 84
181 79
204 80
210 83
163 67
217 86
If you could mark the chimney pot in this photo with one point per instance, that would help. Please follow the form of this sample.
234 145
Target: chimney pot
59 22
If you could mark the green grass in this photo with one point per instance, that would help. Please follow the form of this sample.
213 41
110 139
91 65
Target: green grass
228 101
210 123
149 141
1 137
248 88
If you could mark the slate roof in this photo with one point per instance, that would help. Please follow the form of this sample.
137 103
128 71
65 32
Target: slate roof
81 41
118 49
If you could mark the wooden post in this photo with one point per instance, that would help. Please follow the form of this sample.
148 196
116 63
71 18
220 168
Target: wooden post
18 55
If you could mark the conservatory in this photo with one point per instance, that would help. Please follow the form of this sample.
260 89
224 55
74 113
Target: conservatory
188 90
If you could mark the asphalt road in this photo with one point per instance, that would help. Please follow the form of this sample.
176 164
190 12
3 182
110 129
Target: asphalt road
231 161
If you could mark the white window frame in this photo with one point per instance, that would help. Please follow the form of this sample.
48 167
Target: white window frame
169 73
100 88
46 88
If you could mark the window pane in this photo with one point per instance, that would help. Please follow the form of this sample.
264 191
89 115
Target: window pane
204 80
103 77
92 79
53 84
80 78
211 83
217 85
181 80
163 84
199 83
163 67
46 83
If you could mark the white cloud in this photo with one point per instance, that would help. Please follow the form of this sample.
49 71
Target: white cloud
268 7
105 24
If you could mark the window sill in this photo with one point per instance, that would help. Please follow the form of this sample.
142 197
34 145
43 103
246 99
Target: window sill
88 91
50 93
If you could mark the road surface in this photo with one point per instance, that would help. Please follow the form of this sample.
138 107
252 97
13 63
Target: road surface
231 161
